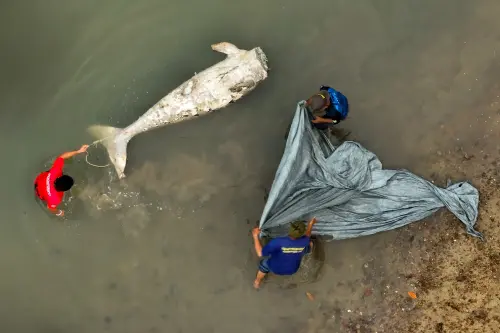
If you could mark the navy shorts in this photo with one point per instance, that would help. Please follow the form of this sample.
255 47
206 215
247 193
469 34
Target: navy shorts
263 266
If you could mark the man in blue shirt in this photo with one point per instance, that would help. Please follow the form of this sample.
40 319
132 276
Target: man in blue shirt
328 107
283 255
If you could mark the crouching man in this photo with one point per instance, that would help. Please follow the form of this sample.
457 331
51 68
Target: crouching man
283 255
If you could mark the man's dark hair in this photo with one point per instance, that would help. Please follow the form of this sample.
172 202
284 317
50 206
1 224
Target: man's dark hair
319 101
297 229
63 183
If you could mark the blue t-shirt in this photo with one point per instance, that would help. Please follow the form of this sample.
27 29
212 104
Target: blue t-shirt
285 254
338 108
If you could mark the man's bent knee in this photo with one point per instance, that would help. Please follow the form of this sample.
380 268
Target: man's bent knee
263 267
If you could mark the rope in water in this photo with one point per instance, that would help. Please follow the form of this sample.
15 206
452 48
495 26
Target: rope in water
87 155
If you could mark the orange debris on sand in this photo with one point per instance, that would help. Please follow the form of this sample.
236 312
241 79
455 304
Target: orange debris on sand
310 296
412 294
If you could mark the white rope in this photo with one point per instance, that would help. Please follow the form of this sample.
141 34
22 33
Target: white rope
87 155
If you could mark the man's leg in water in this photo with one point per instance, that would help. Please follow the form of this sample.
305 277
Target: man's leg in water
261 273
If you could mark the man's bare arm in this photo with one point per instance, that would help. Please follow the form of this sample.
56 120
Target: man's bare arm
256 241
310 226
70 154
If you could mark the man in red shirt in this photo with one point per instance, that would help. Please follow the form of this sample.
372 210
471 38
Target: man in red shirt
51 185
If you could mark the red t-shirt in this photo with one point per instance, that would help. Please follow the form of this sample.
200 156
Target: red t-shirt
44 184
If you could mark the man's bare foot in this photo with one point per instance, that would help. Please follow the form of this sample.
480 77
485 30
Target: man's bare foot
256 284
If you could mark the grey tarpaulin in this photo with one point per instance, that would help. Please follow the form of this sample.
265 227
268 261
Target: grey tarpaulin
349 193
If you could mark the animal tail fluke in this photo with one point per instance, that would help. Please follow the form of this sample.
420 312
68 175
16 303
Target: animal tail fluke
115 141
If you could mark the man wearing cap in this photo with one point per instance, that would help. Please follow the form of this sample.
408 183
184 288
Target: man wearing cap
328 107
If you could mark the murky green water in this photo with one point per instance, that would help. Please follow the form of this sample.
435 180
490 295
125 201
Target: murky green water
168 250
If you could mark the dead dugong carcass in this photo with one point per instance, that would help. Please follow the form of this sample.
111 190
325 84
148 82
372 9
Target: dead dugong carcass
212 89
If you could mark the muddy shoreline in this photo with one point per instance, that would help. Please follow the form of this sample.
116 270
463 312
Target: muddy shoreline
455 276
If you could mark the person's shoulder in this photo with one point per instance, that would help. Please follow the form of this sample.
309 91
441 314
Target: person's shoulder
41 176
303 240
59 160
278 241
58 164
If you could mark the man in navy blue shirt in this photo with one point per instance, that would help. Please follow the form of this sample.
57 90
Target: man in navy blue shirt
283 255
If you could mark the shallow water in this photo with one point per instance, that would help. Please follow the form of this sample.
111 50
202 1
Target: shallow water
168 249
